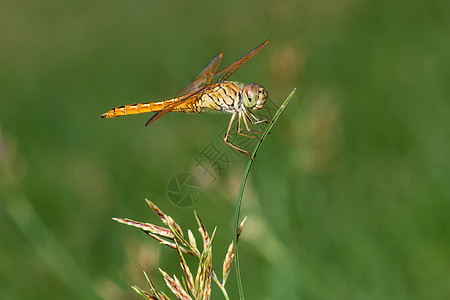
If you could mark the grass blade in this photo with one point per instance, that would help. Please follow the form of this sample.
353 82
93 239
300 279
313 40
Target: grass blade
241 191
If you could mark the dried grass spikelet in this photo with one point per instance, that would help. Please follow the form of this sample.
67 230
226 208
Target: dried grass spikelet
198 287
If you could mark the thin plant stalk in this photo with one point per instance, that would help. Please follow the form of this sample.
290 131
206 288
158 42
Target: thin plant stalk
241 192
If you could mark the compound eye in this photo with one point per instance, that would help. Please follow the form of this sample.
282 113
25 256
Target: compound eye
255 93
253 97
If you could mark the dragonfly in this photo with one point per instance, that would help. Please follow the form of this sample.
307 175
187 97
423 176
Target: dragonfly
210 90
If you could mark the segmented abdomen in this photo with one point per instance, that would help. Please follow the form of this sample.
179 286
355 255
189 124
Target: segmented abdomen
139 108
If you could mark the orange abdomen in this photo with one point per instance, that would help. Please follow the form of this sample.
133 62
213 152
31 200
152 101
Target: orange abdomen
139 108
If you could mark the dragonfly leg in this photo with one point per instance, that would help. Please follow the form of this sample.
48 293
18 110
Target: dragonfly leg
242 116
249 115
225 139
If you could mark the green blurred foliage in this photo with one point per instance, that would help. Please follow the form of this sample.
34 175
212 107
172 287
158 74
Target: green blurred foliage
348 197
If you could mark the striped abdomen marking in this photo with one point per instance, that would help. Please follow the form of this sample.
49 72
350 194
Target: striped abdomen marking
140 108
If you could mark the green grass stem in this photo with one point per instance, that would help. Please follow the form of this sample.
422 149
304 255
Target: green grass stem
241 190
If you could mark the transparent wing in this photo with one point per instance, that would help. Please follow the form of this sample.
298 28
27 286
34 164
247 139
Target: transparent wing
202 78
197 87
223 75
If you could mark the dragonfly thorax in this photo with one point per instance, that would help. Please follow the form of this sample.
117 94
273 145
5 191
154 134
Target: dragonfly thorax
254 96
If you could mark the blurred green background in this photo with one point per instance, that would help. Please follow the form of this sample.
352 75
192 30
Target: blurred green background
348 197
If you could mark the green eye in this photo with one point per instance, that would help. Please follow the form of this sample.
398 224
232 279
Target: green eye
254 96
254 99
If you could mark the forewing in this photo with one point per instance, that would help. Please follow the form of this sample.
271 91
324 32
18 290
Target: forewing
202 78
223 75
186 100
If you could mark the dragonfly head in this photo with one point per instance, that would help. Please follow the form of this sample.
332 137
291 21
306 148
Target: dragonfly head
254 96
